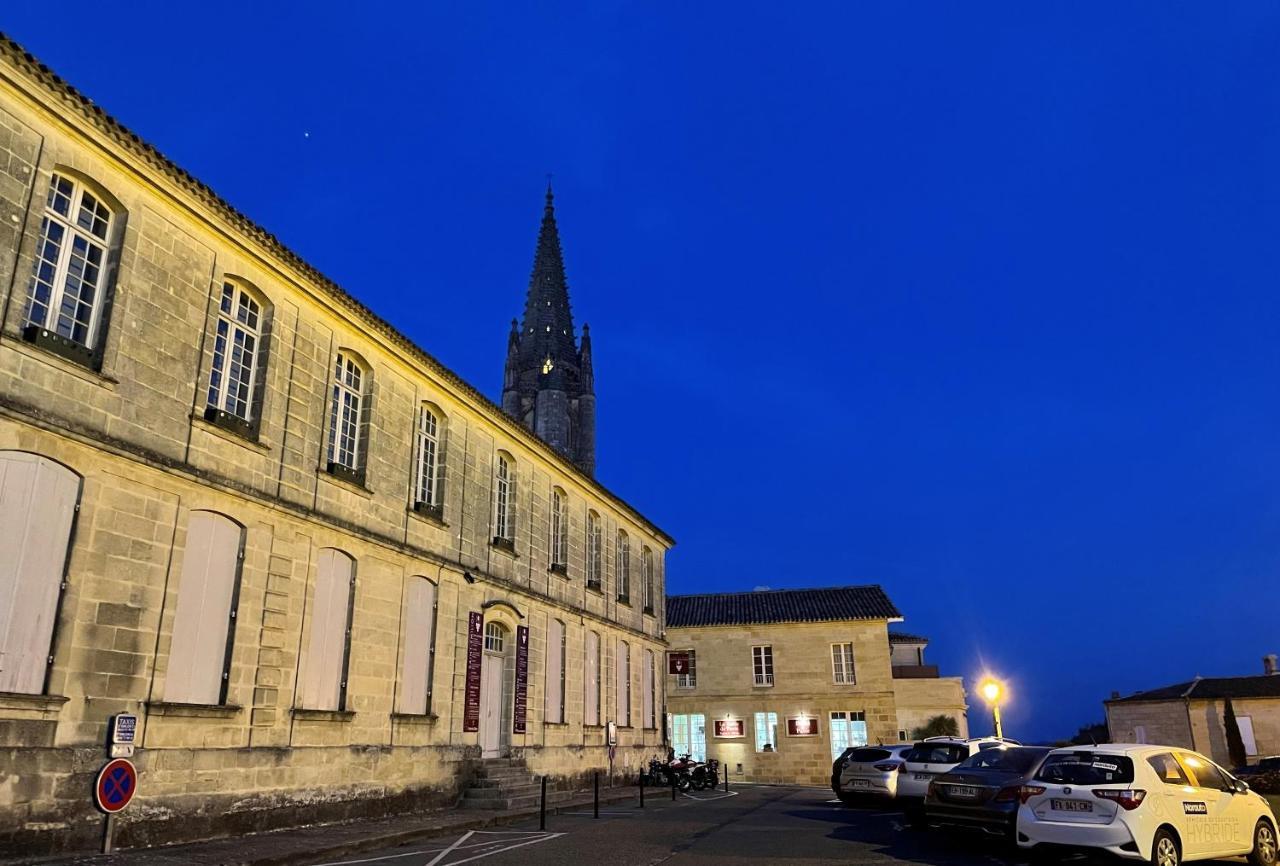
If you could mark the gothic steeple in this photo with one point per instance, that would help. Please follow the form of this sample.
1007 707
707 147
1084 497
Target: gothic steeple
548 383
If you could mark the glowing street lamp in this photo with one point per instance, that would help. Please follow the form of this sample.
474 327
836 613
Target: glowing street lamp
992 691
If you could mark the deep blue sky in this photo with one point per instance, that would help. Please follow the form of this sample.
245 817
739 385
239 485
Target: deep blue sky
975 301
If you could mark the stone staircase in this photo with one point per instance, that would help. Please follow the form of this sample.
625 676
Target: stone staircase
503 784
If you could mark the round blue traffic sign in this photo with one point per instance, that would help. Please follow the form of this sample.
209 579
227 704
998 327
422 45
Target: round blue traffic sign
117 783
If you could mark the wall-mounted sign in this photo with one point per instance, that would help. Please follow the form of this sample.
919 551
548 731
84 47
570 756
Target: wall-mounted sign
802 726
611 733
475 652
677 663
124 726
522 680
728 728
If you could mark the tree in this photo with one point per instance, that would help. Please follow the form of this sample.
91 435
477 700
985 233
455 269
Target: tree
1235 742
937 726
1089 735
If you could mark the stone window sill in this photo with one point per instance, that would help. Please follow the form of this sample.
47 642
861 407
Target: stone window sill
596 588
433 514
648 611
20 701
414 718
555 724
39 353
762 685
323 715
173 708
622 599
560 569
351 479
223 431
506 545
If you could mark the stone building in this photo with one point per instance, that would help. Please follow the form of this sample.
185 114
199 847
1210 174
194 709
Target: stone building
780 682
1191 714
327 575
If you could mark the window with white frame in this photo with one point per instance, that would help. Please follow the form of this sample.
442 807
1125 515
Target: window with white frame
345 418
427 483
766 732
414 695
204 619
762 665
38 500
591 675
842 664
556 642
649 699
69 283
495 637
646 565
624 684
504 487
689 680
594 552
687 734
236 342
624 566
847 729
559 531
322 682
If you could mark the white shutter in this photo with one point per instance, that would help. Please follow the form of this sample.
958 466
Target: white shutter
555 640
591 713
37 507
206 588
418 638
647 697
624 683
321 681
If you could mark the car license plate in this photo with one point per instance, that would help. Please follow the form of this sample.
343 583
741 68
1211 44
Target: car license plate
1071 805
923 777
964 792
861 783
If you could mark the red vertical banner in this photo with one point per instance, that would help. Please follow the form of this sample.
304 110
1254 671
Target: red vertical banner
522 680
475 652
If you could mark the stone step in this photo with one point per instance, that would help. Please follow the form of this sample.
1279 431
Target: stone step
514 781
525 790
529 801
502 772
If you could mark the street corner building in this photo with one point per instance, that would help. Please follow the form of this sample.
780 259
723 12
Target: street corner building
329 578
780 682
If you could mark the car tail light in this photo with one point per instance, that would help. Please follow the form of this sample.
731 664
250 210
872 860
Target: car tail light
888 767
1026 792
1009 795
1128 798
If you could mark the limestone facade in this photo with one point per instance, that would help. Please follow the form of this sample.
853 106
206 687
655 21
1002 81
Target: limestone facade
127 421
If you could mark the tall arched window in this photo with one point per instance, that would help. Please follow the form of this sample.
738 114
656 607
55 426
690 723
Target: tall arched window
427 483
556 664
646 565
322 682
624 567
419 646
594 554
69 283
504 483
591 677
559 532
237 341
346 418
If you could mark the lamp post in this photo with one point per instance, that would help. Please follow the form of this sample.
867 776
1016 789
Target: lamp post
992 691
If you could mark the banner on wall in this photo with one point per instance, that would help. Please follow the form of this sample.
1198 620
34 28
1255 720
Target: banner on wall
728 728
802 726
475 652
522 680
678 663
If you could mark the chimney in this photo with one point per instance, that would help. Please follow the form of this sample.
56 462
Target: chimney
1269 664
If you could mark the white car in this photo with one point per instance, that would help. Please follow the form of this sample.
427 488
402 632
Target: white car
868 771
1157 803
933 757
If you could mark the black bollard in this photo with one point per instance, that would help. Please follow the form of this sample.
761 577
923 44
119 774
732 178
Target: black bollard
595 810
673 789
542 809
726 780
642 790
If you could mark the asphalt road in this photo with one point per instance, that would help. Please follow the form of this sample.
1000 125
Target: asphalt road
753 825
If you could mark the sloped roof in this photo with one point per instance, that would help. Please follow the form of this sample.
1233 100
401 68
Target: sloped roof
903 637
1210 688
73 101
828 604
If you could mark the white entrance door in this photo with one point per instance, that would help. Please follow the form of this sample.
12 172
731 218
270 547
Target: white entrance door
492 671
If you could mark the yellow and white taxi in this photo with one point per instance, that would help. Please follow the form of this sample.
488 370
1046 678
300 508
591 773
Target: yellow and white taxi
1157 803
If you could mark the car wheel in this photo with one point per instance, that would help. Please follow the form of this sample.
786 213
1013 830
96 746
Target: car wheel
1165 850
1264 844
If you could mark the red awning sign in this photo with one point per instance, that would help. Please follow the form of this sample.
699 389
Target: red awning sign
677 663
117 783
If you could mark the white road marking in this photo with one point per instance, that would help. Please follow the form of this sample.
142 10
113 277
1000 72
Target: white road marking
502 850
523 835
602 812
709 799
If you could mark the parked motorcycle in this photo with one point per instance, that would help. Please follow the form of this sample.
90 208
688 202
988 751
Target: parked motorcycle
706 776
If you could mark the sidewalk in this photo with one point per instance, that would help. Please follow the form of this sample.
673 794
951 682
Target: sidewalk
321 842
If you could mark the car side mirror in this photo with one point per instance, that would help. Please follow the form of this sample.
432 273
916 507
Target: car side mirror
1239 787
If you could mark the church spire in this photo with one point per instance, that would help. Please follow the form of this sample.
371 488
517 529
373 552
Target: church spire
548 321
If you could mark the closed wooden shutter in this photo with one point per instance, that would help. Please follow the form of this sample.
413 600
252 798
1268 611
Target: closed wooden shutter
648 686
554 705
323 670
419 636
591 714
624 683
37 510
206 592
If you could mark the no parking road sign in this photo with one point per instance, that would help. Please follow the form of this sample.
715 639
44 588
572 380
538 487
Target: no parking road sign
117 783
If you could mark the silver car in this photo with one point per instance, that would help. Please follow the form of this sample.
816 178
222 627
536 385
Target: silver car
868 771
